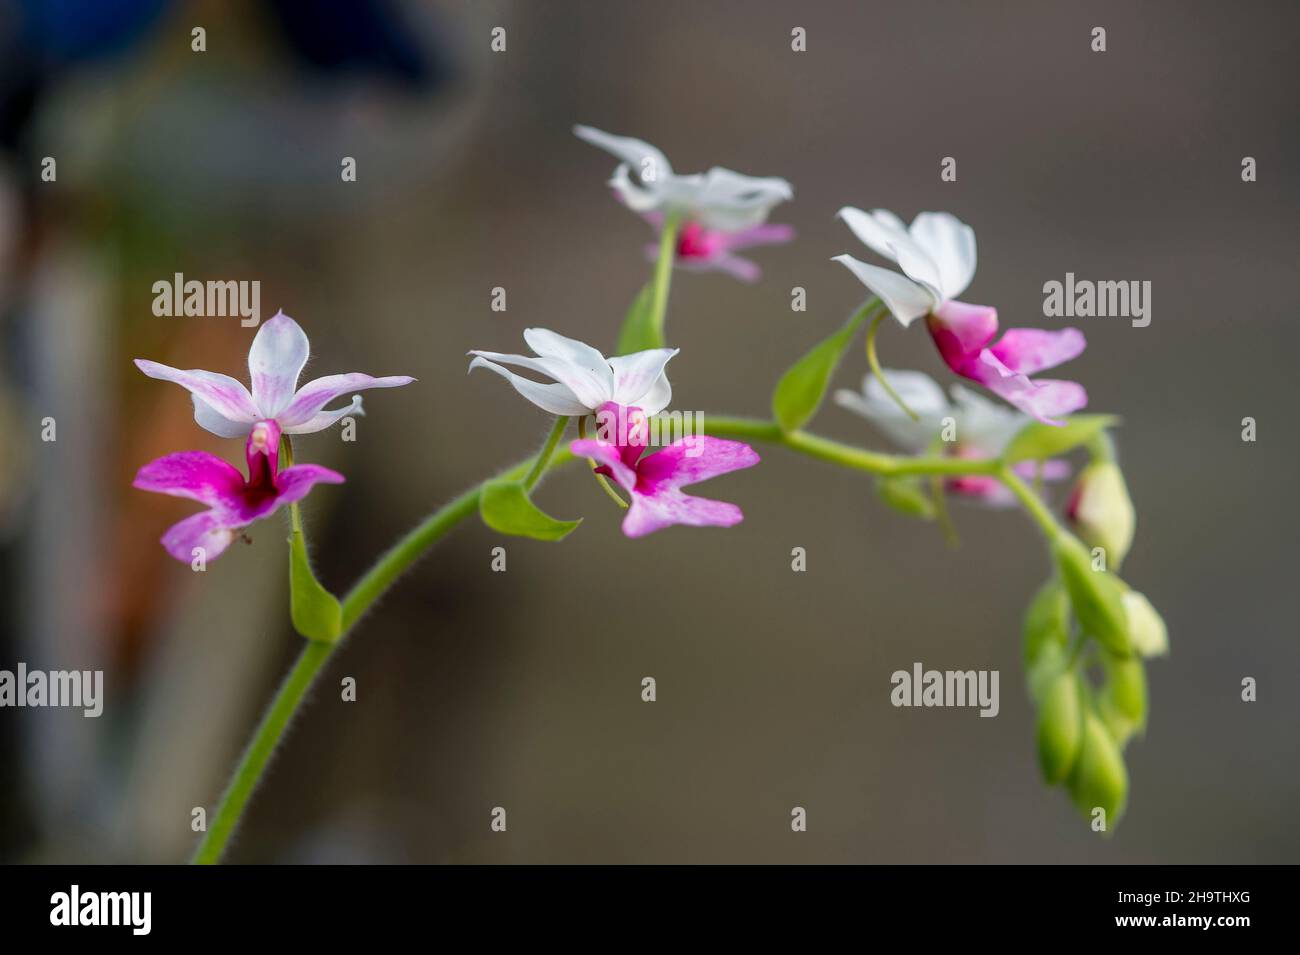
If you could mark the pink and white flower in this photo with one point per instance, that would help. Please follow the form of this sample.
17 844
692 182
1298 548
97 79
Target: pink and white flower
980 428
582 379
718 199
654 482
233 501
701 249
937 255
279 351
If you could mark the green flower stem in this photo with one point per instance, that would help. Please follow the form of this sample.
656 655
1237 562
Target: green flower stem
286 461
255 758
600 478
874 362
664 272
544 456
1032 503
410 548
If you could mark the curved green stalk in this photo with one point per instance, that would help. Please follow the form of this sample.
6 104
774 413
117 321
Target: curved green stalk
421 538
1031 502
874 362
600 478
663 273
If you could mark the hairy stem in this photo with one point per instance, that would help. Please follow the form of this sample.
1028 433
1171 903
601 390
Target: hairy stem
421 538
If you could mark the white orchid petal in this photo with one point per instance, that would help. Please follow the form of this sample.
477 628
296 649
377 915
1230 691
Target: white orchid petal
877 230
659 396
951 244
918 390
643 171
985 425
323 419
732 202
555 398
906 299
638 374
275 360
590 386
223 396
551 344
209 419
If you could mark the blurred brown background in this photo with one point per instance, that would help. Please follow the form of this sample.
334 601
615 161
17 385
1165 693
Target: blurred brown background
522 689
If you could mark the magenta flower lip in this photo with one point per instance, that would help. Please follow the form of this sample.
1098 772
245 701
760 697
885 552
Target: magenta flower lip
233 501
655 481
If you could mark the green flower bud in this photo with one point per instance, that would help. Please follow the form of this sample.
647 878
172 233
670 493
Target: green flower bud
1060 727
1099 778
1122 702
1101 511
1047 621
1097 595
906 496
1146 628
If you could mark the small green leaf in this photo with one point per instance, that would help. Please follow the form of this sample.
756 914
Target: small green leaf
1060 727
1099 778
1037 441
1047 621
315 612
1097 595
638 332
800 391
907 496
504 506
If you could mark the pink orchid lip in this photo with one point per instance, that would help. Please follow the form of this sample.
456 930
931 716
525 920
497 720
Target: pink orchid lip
700 248
654 482
962 333
233 501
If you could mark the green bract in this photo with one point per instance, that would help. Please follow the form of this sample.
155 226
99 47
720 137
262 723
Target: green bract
505 506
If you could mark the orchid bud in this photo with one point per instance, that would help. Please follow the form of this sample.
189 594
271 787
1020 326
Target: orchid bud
1047 621
1122 702
1097 595
1099 779
1101 510
1060 726
1146 628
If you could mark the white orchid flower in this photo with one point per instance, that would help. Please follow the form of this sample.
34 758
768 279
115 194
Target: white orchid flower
582 379
276 358
718 199
936 254
981 428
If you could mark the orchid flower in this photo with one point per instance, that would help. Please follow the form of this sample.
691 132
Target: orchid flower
582 378
654 482
982 429
937 256
233 501
718 199
700 249
279 351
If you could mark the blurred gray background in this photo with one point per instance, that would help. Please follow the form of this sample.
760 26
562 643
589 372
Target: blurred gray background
522 690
